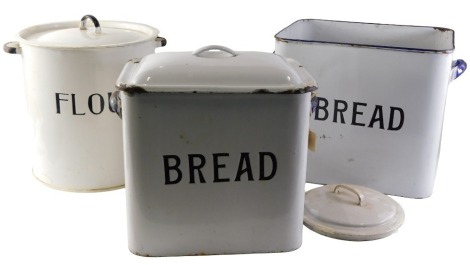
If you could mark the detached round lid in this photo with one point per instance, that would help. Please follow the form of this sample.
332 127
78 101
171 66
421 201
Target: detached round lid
351 212
87 33
215 69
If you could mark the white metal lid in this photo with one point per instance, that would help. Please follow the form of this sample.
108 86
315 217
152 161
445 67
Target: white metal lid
215 69
351 212
77 34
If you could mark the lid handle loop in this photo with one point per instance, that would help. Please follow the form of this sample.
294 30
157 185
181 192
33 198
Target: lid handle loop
357 192
199 51
93 19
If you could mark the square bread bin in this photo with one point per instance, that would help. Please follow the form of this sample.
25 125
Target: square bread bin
215 149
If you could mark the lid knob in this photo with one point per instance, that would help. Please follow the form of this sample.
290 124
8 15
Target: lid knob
200 51
93 19
357 192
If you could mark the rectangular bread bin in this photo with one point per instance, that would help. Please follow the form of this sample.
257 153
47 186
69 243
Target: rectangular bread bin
215 149
381 107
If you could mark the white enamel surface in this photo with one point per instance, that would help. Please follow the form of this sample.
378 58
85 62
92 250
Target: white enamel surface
44 226
379 35
215 71
76 149
67 35
214 218
339 215
400 162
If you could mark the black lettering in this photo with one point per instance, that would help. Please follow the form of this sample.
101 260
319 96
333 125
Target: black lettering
74 107
321 108
193 168
262 175
392 119
57 101
377 116
357 113
90 104
338 110
175 167
244 166
218 166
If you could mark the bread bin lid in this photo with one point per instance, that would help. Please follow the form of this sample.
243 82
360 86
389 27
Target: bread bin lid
215 69
351 212
87 33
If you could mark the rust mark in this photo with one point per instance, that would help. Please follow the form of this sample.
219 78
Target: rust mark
141 254
262 91
442 29
184 138
306 89
312 139
131 90
135 60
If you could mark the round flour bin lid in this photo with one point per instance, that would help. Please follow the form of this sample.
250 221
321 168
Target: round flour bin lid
351 212
87 33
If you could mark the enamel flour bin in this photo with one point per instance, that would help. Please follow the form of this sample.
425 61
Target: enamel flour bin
215 149
70 69
381 104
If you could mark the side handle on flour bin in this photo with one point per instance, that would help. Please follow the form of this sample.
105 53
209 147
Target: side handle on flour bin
12 47
458 68
115 103
160 41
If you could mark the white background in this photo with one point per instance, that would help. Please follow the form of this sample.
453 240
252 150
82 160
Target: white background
45 226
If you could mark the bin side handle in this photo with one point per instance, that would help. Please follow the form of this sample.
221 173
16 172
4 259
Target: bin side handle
12 47
458 68
115 103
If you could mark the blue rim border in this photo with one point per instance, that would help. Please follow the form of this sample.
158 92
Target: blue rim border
360 45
